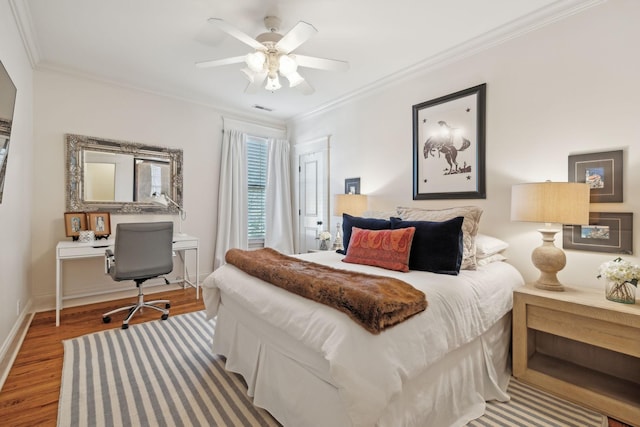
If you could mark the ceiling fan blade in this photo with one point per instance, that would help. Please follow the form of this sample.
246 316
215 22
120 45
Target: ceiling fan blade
295 37
219 62
321 63
304 88
255 82
235 32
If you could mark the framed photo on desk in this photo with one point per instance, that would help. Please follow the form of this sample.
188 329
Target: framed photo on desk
99 223
74 223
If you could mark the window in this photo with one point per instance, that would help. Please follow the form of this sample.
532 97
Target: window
257 183
156 179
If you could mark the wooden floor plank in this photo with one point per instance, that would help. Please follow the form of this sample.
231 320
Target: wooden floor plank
30 393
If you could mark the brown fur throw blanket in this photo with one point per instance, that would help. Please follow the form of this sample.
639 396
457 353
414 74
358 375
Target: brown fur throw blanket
375 302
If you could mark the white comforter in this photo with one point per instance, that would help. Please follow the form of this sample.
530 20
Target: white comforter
370 369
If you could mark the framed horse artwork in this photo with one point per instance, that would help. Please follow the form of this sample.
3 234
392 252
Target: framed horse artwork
449 146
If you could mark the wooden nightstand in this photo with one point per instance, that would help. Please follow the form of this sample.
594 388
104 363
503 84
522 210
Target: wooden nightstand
581 347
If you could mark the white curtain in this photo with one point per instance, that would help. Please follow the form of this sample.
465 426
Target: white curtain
279 221
232 196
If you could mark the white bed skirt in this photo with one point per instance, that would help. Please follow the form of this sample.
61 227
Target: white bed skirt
293 383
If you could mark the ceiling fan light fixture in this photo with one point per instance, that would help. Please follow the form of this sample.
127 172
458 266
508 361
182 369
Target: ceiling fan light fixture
272 56
294 79
255 61
273 83
288 65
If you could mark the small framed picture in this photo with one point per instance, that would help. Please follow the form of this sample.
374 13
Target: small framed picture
74 223
99 223
603 173
607 232
352 186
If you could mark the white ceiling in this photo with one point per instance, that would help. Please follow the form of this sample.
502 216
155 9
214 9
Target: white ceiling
153 44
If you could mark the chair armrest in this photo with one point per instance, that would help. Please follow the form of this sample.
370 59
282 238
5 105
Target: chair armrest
109 260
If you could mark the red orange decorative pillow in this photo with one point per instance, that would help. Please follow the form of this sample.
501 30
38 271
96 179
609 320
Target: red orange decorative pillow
388 249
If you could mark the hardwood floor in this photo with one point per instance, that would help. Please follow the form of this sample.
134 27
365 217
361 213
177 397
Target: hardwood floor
29 396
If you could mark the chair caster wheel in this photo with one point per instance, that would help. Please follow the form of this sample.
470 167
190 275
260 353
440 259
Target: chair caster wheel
164 317
167 305
125 326
106 319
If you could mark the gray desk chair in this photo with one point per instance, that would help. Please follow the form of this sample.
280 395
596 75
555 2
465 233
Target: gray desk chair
142 251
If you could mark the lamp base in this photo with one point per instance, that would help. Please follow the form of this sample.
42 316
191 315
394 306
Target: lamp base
549 259
337 243
549 287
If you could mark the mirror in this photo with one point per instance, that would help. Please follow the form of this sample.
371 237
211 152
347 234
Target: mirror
7 103
120 177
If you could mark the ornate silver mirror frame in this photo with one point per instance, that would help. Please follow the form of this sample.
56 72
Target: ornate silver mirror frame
76 148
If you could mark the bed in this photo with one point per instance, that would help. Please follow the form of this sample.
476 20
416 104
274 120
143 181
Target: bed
311 365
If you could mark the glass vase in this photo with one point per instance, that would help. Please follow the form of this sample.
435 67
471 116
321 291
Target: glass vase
623 292
323 245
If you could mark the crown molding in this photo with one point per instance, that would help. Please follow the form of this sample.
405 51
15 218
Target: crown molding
222 111
557 11
22 17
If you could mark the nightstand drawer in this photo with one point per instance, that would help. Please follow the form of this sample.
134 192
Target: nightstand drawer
609 335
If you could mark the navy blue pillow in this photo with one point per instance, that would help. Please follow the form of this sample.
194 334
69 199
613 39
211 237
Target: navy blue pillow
437 246
349 221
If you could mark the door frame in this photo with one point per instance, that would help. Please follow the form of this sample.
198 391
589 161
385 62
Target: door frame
317 145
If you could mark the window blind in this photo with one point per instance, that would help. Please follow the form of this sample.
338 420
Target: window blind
257 183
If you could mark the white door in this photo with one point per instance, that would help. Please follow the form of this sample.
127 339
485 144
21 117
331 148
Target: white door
313 195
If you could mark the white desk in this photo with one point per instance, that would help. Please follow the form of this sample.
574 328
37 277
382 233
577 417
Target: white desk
69 250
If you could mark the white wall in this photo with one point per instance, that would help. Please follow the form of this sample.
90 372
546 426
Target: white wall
65 104
16 207
571 87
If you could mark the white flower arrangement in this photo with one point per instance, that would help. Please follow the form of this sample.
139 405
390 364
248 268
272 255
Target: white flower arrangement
325 235
619 271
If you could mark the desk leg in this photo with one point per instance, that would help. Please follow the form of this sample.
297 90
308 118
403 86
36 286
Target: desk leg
58 289
185 280
197 273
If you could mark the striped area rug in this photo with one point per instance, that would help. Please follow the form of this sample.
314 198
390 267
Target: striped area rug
531 407
158 373
162 373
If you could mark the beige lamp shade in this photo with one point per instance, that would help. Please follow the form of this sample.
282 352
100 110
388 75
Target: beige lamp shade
551 202
352 204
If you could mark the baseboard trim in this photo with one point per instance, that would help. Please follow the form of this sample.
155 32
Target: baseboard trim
11 346
46 302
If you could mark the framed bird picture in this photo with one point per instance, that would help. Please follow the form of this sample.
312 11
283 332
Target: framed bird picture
449 146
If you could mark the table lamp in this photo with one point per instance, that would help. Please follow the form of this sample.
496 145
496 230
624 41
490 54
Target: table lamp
351 204
550 202
164 200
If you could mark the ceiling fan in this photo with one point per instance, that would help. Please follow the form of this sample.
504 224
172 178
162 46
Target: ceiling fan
272 56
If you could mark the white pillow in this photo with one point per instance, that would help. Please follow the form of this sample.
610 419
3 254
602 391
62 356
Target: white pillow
488 245
489 259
